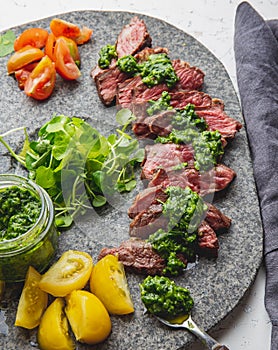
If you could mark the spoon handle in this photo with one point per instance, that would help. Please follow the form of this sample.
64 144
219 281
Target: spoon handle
205 338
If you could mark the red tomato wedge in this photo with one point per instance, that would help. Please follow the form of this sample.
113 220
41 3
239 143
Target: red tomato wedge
35 37
84 36
23 57
22 74
49 46
60 27
41 81
64 62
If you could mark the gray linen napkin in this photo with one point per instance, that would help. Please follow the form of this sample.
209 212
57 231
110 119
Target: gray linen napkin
256 55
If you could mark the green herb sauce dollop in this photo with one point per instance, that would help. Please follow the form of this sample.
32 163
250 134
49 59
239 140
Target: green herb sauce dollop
185 210
162 297
19 209
155 70
106 54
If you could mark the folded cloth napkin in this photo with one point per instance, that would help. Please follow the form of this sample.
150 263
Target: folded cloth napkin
256 55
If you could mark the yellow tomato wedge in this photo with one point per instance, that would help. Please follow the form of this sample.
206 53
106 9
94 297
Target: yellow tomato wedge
53 333
72 271
32 302
88 318
108 282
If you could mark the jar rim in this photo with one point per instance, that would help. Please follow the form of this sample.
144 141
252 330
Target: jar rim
16 245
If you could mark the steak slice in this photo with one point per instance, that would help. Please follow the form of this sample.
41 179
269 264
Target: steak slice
217 119
137 256
208 244
146 198
148 215
135 94
133 38
107 81
211 181
199 99
216 219
190 77
147 222
161 124
165 156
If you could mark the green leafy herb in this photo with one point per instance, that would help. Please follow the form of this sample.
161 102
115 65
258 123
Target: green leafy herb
106 54
72 161
7 43
162 297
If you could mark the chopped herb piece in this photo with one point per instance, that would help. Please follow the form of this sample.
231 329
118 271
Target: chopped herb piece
106 54
162 104
128 64
158 69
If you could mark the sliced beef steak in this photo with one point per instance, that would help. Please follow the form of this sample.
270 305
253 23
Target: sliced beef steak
216 219
165 156
215 180
135 94
208 244
137 256
133 38
146 198
107 81
161 124
217 119
147 214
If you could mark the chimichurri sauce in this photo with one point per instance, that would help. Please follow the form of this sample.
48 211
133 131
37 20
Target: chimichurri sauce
162 297
19 211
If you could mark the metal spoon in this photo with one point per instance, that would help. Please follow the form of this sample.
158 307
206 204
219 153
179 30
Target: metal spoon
189 324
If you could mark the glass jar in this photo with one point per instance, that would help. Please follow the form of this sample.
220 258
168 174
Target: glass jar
35 247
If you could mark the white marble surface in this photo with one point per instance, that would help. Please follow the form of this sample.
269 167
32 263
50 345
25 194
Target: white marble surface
212 23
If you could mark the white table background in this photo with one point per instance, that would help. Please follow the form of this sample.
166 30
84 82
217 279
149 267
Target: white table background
212 23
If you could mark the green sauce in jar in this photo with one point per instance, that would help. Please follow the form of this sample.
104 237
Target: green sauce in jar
19 211
27 228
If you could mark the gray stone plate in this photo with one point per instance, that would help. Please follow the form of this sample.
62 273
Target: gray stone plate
216 285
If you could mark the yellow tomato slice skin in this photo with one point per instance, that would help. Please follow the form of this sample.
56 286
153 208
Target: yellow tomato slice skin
88 318
108 282
72 271
22 57
53 332
32 302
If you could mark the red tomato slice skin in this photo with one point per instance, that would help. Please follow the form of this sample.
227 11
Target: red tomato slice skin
35 37
64 63
84 36
22 74
60 27
41 82
49 46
